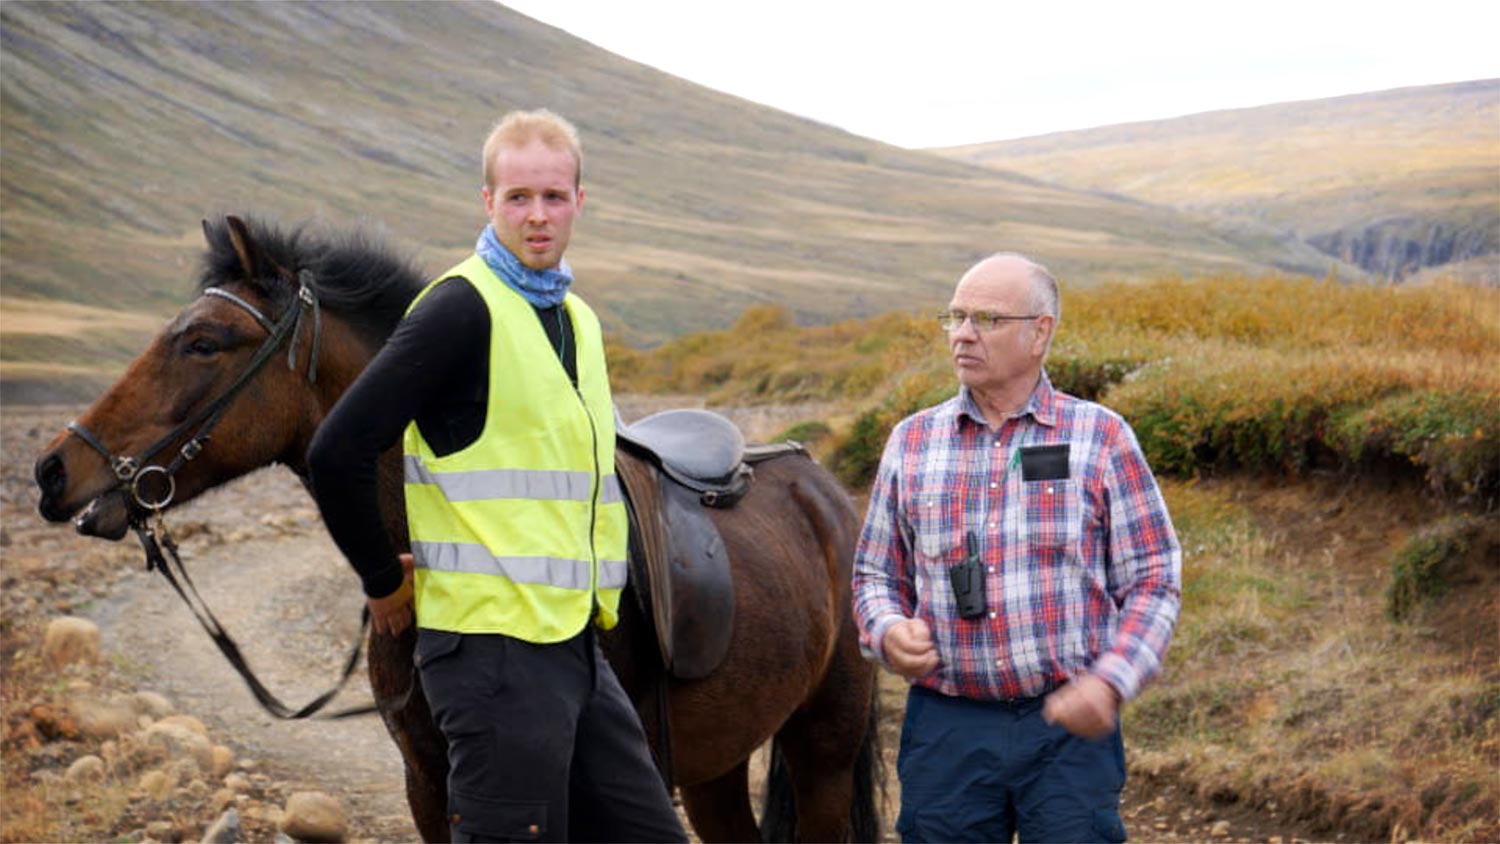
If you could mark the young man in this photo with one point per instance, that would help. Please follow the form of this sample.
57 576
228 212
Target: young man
495 383
1017 564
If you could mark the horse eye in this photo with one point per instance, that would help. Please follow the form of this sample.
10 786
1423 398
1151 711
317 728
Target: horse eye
202 347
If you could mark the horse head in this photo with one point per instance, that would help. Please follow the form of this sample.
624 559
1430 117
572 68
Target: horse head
237 380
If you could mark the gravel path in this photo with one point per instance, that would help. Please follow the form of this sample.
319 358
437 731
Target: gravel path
282 591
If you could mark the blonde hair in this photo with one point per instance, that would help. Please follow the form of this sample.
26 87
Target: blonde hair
519 128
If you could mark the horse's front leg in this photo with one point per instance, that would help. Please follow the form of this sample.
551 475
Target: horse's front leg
409 721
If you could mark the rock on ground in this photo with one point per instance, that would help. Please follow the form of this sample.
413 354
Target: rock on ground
70 639
314 816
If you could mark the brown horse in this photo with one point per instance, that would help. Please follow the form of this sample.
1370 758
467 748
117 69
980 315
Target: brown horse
210 400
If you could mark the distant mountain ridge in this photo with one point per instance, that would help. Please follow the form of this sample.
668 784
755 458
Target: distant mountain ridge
1398 182
124 123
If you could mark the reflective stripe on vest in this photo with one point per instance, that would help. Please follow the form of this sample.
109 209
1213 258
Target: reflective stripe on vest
541 571
523 532
476 484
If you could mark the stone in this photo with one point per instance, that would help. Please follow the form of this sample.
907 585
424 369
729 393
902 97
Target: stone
97 719
1220 829
164 831
225 830
313 816
86 768
179 742
221 761
237 782
152 704
185 721
156 784
185 769
70 640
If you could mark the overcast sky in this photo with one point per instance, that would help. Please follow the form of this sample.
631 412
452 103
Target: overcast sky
919 73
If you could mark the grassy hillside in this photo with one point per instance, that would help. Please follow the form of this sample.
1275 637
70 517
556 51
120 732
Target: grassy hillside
1394 181
123 124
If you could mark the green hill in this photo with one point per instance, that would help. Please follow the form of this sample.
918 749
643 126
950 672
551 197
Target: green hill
1397 181
123 124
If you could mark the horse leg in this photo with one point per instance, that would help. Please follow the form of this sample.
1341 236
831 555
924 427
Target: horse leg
408 719
823 744
720 808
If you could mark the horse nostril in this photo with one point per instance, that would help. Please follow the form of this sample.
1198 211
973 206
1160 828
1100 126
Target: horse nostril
51 475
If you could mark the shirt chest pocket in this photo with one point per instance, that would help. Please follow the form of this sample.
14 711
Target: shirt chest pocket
935 537
1051 514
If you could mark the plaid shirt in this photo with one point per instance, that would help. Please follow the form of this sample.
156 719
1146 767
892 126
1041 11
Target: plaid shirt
1081 573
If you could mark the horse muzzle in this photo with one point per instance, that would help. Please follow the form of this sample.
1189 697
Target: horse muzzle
103 515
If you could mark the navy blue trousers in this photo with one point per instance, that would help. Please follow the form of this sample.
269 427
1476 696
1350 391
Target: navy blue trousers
975 770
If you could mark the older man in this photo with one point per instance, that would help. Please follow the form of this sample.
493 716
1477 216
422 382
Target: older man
1018 566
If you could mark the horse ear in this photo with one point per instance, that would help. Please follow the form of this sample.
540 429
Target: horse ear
244 246
208 232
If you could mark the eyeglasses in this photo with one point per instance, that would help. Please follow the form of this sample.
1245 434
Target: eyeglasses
982 320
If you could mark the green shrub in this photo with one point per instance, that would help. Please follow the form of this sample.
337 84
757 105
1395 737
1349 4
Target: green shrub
808 433
1451 434
1420 570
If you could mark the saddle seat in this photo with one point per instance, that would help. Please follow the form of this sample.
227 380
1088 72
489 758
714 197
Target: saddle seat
699 449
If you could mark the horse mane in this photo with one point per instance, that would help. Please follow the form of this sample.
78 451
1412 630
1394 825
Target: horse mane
355 274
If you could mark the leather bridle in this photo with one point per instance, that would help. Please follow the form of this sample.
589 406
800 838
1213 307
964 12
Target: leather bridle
130 471
146 516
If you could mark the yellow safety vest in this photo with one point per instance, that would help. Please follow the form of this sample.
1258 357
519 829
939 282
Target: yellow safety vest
523 532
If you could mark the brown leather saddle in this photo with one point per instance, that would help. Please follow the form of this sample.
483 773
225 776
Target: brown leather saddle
675 467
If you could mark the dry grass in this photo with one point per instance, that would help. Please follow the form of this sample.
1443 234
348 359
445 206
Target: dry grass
1287 689
1267 374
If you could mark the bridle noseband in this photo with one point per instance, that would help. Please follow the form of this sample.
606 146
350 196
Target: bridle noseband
131 471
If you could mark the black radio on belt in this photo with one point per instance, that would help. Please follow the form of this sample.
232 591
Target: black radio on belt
967 580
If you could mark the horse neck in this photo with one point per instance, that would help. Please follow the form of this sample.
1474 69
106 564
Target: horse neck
342 356
347 356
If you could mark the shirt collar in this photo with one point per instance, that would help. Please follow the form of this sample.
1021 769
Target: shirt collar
1041 406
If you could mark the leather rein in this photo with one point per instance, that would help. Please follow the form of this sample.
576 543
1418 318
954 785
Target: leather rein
145 516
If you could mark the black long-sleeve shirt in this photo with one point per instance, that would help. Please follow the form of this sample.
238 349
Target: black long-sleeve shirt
434 369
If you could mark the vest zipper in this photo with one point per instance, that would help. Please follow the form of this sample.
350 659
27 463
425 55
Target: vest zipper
593 506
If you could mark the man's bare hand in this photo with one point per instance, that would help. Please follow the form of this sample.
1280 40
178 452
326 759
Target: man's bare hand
1085 706
393 613
909 649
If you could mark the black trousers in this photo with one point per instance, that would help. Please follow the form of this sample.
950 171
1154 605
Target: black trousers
543 744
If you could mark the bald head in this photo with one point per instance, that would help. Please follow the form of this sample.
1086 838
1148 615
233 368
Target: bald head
1020 280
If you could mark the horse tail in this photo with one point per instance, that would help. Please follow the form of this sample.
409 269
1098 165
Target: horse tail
869 779
778 816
